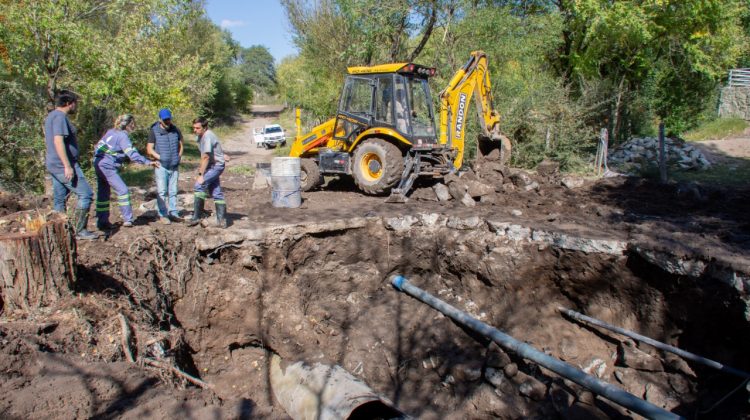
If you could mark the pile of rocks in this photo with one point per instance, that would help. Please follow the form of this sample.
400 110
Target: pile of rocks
640 152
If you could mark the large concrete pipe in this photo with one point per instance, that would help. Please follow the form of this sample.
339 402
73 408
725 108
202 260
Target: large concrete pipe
323 392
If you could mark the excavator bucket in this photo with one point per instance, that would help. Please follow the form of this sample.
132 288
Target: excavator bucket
495 147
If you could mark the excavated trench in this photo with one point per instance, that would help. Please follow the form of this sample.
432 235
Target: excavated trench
324 296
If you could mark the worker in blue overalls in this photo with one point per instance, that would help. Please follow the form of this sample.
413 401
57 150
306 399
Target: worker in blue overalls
109 155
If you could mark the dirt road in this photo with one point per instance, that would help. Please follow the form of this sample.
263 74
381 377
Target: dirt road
241 147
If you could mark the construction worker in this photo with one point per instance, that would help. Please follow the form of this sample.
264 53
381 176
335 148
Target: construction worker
62 162
165 145
109 154
211 168
400 106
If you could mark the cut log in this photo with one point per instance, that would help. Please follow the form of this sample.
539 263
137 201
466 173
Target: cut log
37 268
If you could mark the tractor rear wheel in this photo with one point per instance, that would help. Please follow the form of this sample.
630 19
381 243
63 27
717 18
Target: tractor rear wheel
377 166
309 176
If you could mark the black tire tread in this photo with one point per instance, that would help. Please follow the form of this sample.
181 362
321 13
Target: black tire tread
312 172
393 165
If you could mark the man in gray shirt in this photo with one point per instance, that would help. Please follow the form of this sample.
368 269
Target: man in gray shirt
62 162
208 182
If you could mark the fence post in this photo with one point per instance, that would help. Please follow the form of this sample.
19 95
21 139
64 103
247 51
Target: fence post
601 151
662 155
604 139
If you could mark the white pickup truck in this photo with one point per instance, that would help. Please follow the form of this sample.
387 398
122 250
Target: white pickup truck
269 136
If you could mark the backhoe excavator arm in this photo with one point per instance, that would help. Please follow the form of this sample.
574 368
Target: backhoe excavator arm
318 137
472 78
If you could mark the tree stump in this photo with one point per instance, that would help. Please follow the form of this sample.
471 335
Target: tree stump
39 266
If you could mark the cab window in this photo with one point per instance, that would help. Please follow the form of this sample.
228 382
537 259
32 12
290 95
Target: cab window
384 100
401 106
420 104
357 96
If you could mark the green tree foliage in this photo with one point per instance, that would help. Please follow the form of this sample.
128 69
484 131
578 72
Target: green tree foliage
257 69
561 69
664 56
311 88
119 56
19 111
334 34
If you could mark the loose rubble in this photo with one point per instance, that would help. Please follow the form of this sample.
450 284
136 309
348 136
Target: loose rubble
640 153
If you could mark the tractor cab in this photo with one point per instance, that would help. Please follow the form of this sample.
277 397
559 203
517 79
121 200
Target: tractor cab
393 97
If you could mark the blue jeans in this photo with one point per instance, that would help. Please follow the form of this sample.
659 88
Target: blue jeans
62 187
211 185
166 187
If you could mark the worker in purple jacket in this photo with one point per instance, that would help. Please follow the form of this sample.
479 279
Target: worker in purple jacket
109 155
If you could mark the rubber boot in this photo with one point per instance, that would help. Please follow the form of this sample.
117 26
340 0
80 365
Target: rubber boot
198 204
221 216
82 219
102 221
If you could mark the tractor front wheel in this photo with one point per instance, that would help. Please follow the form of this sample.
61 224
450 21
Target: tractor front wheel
377 166
309 176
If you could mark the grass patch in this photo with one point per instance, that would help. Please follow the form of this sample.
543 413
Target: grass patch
138 176
283 151
225 130
734 174
264 99
245 170
287 120
731 174
190 151
717 129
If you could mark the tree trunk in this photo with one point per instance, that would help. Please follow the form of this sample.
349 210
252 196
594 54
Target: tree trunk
38 268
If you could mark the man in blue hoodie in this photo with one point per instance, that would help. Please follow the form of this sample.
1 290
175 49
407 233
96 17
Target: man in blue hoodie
165 145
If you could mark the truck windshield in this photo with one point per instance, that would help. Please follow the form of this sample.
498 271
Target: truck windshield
273 130
420 104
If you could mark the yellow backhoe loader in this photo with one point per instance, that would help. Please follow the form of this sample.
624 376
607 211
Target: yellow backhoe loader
384 135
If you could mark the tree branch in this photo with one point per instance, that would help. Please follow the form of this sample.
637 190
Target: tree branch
427 32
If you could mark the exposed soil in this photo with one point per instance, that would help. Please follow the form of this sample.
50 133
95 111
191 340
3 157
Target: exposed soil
218 315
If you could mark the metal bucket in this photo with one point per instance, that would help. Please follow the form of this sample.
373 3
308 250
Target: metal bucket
285 182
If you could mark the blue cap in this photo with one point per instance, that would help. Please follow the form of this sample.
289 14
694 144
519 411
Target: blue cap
165 114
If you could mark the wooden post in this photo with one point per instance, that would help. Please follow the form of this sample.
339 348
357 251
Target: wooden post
37 268
662 155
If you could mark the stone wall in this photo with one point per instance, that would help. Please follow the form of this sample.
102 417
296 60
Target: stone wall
735 102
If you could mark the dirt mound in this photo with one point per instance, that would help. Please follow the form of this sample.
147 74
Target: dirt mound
273 284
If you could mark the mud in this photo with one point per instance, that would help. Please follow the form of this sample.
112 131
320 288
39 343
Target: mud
669 262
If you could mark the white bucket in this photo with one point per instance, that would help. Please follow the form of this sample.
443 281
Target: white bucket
285 182
285 166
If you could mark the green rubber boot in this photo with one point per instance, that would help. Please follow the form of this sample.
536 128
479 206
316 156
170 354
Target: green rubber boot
198 205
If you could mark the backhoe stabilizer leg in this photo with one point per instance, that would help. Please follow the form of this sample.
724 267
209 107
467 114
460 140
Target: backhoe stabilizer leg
398 195
410 174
